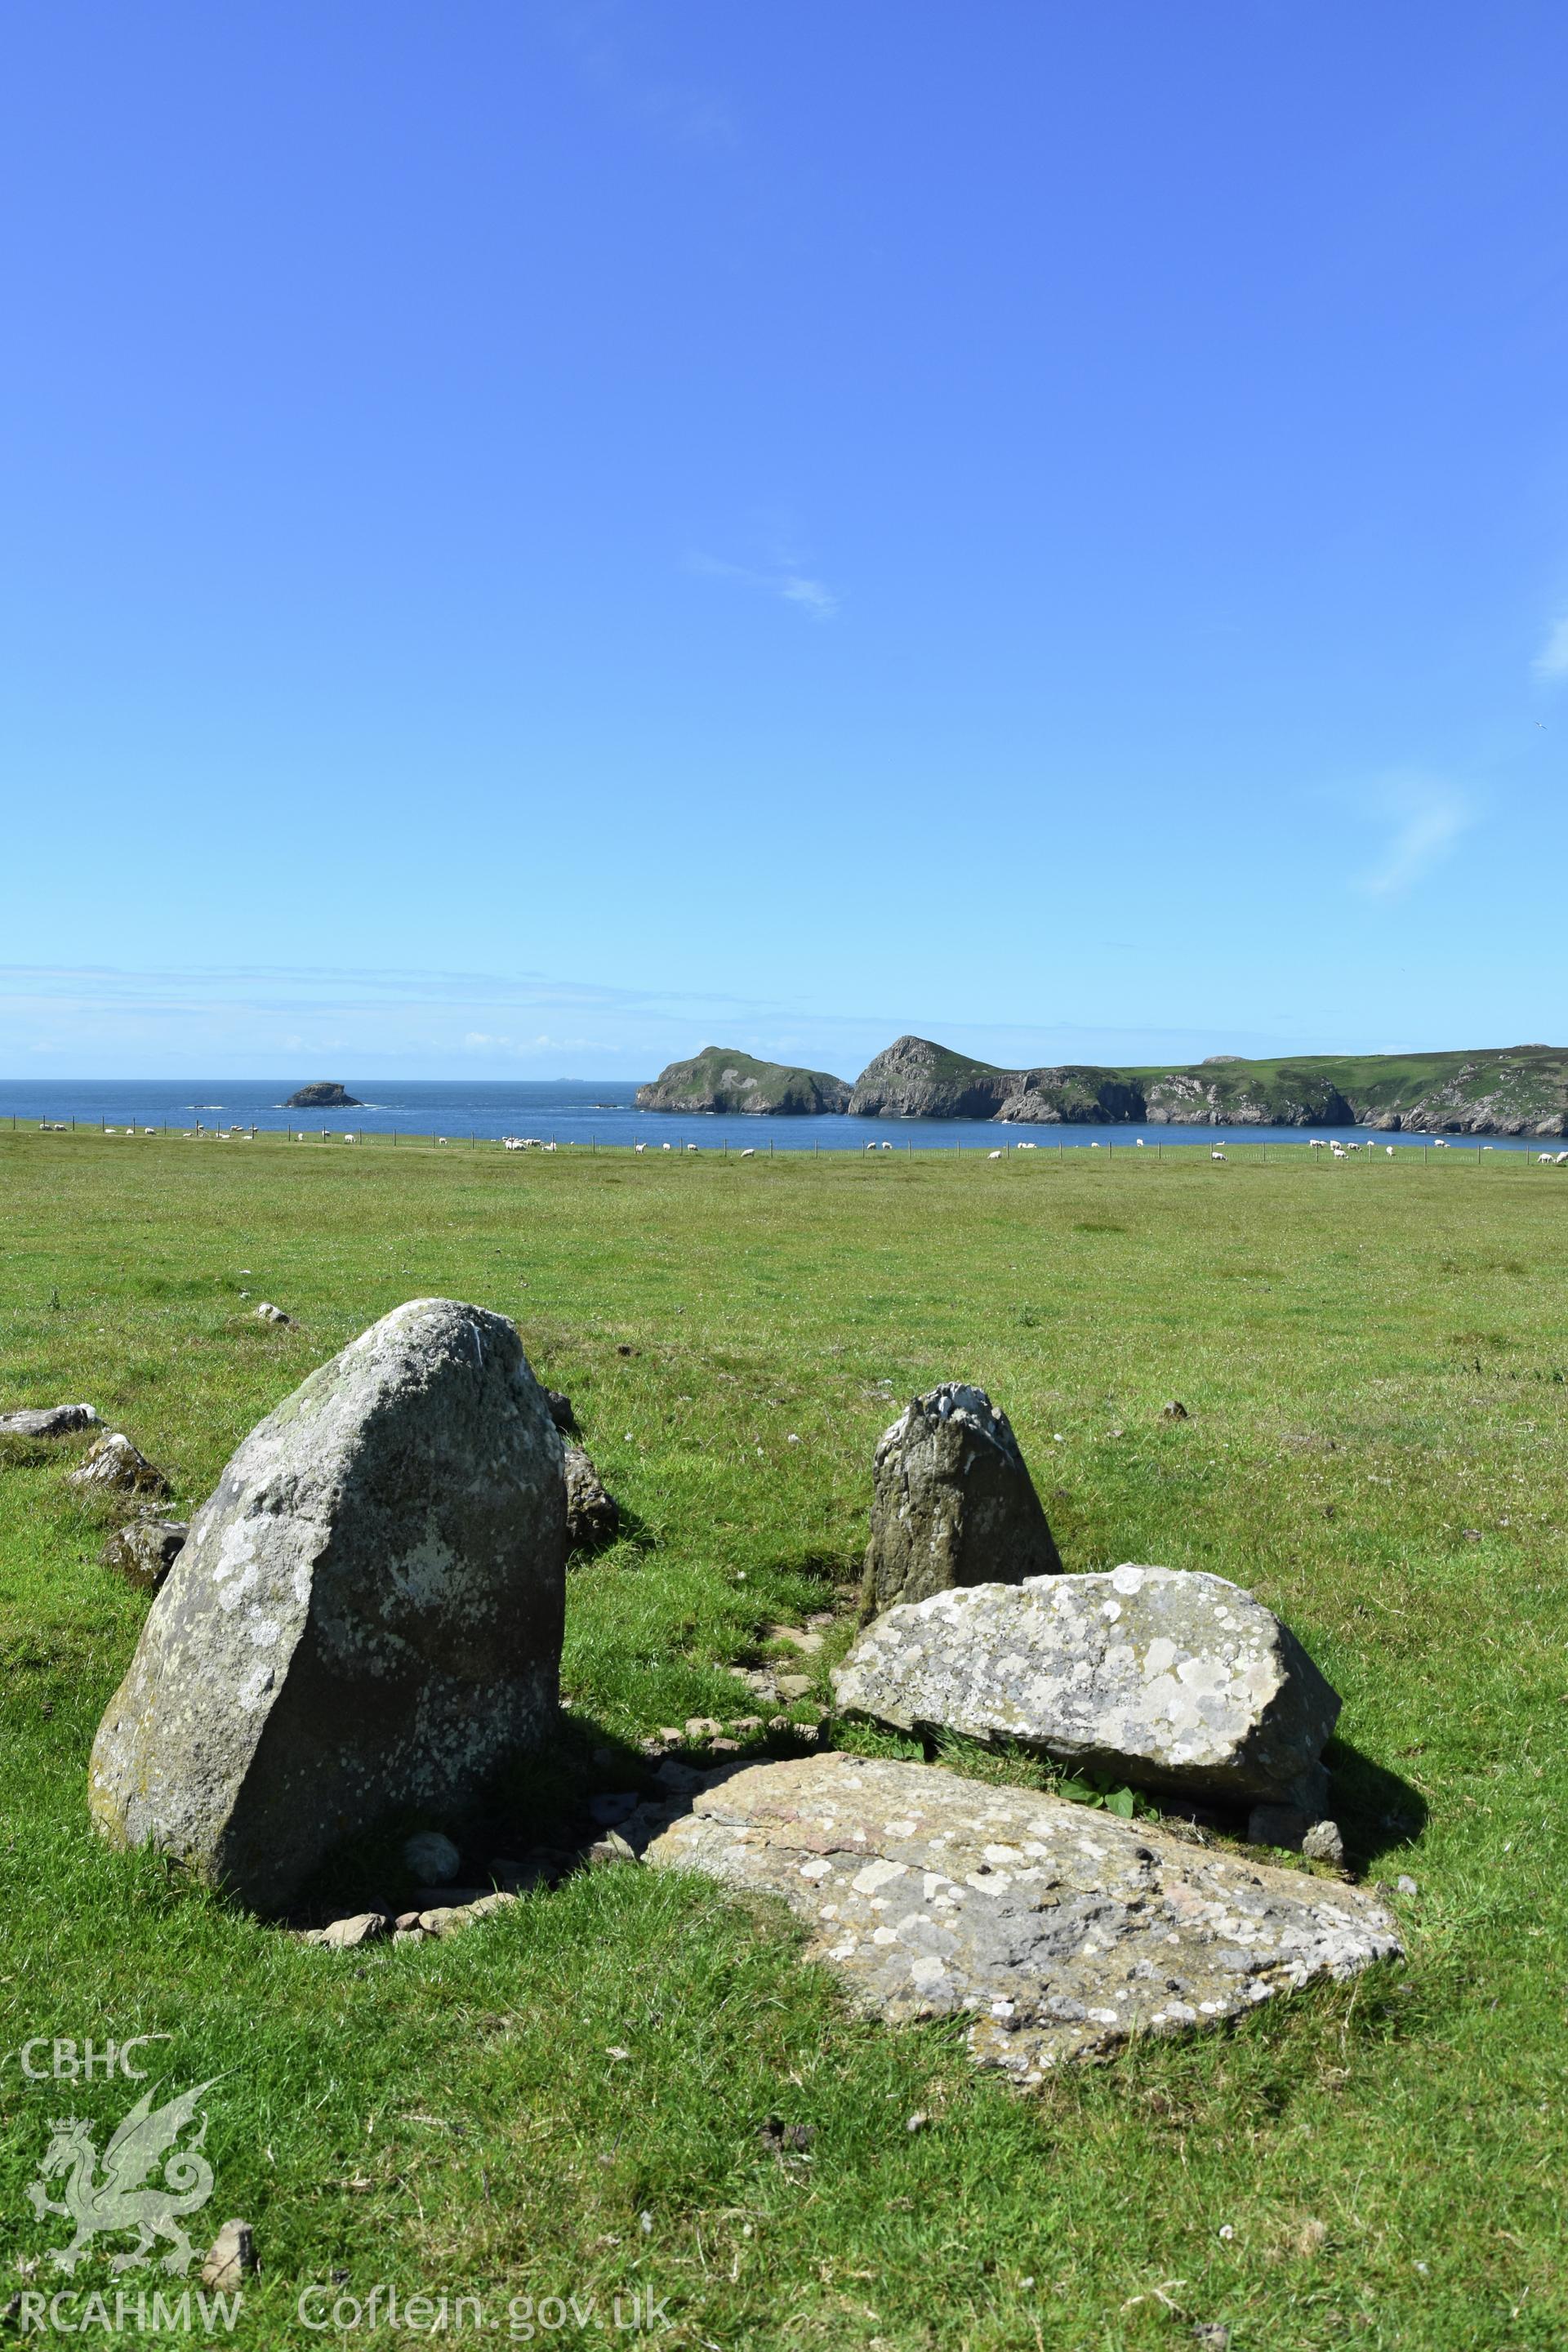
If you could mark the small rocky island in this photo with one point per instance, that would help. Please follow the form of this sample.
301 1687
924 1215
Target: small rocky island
323 1094
720 1079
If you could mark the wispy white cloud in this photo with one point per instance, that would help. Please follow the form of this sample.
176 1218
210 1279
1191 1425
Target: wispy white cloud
601 36
366 1025
1552 661
813 597
818 600
1429 818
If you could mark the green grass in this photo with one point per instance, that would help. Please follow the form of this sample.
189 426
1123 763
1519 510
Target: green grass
1373 1362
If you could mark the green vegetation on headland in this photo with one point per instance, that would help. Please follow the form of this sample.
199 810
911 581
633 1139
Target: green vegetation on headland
1375 1372
720 1079
1495 1090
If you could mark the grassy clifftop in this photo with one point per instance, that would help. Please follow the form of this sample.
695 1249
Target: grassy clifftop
1489 1090
1492 1090
721 1080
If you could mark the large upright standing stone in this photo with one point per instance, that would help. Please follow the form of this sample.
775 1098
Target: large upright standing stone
954 1503
366 1616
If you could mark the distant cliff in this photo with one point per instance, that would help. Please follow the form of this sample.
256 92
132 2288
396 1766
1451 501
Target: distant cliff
915 1080
720 1079
1501 1090
1494 1090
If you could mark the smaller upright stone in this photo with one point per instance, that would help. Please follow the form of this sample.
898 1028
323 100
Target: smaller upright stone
115 1467
953 1504
593 1517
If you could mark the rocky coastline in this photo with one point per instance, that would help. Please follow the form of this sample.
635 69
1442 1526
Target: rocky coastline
1519 1090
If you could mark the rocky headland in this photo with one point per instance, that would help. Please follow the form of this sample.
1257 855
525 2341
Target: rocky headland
720 1079
1494 1090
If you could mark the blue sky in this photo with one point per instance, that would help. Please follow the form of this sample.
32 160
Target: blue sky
541 536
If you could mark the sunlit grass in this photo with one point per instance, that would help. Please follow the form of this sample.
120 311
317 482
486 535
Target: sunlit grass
1372 1360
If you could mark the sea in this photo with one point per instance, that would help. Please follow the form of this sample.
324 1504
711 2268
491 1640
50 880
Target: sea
602 1114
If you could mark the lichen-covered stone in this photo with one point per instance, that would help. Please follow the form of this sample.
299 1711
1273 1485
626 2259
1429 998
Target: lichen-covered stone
144 1551
115 1467
593 1515
1059 1932
1169 1678
51 1420
953 1502
365 1618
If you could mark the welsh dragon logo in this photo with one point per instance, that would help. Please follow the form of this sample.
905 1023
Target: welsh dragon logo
120 2198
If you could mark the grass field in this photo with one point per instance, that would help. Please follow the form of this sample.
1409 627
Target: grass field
1373 1362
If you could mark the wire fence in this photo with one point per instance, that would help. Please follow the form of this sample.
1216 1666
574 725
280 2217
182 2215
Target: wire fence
1220 1150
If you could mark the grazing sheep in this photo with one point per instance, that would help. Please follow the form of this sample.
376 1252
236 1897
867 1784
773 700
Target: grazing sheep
993 1155
750 1152
639 1147
1217 1155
